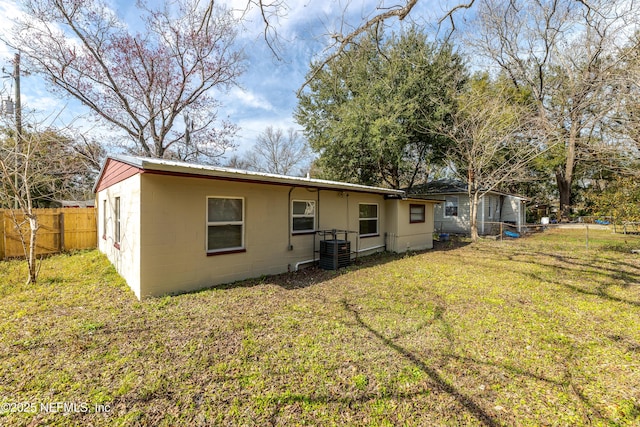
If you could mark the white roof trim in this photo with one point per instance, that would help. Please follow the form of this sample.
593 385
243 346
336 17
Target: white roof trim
163 165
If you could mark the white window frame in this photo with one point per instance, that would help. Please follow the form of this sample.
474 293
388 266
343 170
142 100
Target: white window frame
223 223
305 215
117 230
377 218
104 219
457 205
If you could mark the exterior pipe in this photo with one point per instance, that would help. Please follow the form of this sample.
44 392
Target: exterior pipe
371 248
303 262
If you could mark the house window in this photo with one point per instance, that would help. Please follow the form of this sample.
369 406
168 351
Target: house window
416 213
303 216
368 219
104 219
451 206
117 221
225 224
490 204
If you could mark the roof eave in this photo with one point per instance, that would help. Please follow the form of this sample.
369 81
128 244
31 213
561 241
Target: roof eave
180 168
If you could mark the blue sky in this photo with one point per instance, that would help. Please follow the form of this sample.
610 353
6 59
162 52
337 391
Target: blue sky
266 92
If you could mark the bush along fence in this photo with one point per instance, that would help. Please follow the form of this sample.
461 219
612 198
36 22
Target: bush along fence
61 229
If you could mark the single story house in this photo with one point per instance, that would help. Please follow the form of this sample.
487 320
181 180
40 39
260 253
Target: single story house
171 227
453 214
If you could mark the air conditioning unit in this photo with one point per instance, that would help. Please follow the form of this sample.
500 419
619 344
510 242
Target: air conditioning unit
335 254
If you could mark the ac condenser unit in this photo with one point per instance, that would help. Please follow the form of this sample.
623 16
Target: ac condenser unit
334 254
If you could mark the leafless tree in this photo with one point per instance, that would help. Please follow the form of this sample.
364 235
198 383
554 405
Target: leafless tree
279 153
16 189
492 146
626 121
566 53
36 166
141 83
236 161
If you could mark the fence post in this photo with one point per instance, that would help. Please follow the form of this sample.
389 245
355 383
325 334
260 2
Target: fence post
501 225
2 244
587 236
61 228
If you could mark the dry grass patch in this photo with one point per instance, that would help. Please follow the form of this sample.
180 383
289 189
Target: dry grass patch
537 331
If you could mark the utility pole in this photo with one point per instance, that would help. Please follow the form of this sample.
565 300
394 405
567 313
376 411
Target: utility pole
18 117
18 106
15 108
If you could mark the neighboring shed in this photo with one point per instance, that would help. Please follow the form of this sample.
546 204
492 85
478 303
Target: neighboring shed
171 227
453 214
77 203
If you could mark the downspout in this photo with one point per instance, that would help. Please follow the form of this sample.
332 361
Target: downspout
289 246
347 198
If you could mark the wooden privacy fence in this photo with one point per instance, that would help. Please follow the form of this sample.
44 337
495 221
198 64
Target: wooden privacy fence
61 229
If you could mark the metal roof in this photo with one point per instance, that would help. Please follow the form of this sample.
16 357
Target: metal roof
191 169
448 186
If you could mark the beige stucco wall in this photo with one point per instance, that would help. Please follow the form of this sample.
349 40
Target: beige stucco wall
126 258
402 234
340 210
173 231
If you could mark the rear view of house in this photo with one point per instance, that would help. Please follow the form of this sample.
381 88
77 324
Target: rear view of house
172 227
453 214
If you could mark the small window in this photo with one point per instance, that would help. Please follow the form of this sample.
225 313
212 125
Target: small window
451 206
303 216
117 221
225 224
104 219
368 214
416 213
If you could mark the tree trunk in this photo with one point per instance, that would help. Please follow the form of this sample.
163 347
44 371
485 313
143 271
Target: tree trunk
31 258
473 214
564 178
564 190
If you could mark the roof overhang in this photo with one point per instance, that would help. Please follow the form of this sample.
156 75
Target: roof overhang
175 168
464 193
418 200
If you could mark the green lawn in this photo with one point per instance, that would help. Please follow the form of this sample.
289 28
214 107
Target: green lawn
535 331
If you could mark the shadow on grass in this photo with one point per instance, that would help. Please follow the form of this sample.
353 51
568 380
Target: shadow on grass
566 382
599 272
438 380
626 342
601 285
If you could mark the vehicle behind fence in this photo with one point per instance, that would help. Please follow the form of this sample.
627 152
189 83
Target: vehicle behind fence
61 229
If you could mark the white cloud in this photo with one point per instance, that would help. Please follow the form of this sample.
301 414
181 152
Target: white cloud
249 99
